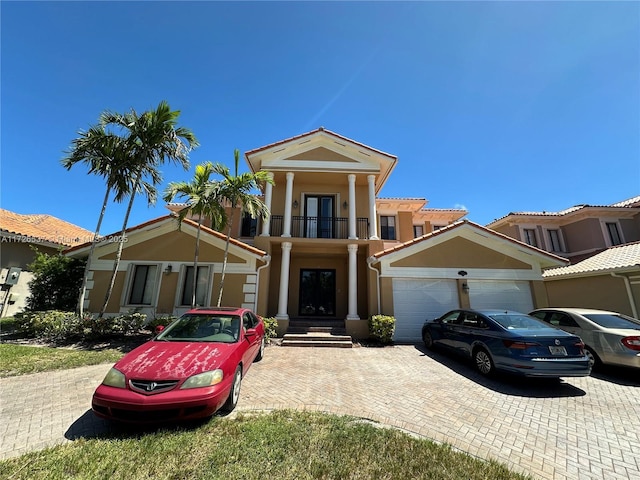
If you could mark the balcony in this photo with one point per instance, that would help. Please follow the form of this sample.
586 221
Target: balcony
319 227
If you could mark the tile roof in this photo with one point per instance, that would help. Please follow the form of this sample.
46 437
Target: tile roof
612 259
39 228
630 202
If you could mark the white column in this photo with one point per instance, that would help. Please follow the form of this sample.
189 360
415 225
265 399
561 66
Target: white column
373 222
266 224
353 282
352 207
286 230
283 294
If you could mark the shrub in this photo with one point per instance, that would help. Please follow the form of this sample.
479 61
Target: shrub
270 327
381 327
163 320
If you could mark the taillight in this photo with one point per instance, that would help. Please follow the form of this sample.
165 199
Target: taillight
519 345
580 346
631 342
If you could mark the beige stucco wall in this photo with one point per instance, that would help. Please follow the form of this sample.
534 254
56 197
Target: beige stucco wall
584 235
601 292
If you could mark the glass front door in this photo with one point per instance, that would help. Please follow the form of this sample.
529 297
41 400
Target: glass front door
319 216
317 293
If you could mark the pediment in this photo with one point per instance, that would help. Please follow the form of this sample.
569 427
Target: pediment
321 154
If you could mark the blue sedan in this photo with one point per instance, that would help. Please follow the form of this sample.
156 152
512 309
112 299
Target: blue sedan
509 341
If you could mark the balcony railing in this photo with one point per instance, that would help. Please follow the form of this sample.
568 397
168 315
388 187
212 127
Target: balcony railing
319 227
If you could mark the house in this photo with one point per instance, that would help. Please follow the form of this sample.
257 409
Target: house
332 250
577 232
18 234
601 241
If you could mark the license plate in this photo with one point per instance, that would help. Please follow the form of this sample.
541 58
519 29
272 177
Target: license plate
558 350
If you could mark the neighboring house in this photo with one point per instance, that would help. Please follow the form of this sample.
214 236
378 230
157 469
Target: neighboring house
18 234
577 232
331 251
609 280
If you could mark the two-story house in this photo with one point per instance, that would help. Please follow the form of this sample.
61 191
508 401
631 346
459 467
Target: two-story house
601 241
332 250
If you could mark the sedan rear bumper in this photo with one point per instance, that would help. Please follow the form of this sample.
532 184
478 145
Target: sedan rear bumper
545 366
630 358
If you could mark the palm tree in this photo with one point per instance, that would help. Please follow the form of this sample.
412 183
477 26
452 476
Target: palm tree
236 191
201 201
151 139
103 152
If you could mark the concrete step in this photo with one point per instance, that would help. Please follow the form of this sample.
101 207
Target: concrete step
316 329
316 339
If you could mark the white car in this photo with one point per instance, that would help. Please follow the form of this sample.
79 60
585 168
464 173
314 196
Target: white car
610 338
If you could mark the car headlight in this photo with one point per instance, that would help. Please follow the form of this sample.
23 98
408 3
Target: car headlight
205 379
115 378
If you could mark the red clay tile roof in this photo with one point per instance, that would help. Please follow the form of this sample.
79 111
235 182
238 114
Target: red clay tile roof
43 228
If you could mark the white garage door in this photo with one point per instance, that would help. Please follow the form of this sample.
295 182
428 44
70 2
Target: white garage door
508 295
416 300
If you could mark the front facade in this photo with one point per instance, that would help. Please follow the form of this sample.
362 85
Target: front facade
332 250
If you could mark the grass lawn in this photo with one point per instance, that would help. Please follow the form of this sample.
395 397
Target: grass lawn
280 445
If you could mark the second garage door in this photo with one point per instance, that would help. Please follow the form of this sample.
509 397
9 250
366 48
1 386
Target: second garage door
508 295
416 300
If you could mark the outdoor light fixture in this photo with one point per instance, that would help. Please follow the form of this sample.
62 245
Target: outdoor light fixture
465 287
345 205
168 269
295 204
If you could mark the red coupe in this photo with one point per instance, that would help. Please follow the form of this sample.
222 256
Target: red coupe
192 369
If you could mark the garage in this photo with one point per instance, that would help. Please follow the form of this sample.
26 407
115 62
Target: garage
416 300
501 294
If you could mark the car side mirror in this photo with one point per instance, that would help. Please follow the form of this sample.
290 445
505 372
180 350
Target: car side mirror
250 332
159 329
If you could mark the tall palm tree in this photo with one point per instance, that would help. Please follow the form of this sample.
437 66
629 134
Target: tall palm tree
151 139
201 202
237 192
103 152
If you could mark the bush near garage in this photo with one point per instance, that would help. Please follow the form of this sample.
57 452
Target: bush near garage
270 327
381 328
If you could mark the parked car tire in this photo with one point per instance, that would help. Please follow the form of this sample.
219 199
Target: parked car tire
260 354
234 394
427 339
594 360
482 361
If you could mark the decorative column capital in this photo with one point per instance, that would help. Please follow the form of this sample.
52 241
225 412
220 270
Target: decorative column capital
352 247
286 245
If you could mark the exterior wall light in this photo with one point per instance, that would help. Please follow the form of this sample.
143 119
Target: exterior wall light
168 269
465 287
295 204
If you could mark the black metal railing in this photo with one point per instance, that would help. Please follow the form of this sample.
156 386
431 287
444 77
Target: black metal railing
319 227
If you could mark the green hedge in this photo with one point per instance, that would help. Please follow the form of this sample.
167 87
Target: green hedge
270 327
381 328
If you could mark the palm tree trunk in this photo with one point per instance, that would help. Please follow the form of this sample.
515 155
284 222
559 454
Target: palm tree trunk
87 266
195 264
116 263
226 255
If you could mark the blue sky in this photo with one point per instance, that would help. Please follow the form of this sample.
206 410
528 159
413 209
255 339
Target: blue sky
490 106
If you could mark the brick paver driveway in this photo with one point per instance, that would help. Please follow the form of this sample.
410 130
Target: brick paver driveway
580 428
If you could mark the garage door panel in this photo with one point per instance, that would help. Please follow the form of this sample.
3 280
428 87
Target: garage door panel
416 300
508 295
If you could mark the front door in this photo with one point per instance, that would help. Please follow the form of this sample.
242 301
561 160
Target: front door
317 293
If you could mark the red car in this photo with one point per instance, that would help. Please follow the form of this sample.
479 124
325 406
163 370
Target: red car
192 369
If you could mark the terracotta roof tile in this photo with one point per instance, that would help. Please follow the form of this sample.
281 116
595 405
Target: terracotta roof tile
614 258
43 228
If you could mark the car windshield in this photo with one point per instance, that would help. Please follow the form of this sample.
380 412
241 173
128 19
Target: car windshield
519 321
203 328
611 320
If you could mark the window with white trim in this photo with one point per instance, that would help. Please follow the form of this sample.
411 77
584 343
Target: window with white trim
418 231
554 240
143 284
387 227
530 236
202 284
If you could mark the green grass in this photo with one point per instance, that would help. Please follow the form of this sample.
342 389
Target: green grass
22 359
280 445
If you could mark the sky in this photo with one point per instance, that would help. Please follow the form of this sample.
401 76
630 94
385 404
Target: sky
493 107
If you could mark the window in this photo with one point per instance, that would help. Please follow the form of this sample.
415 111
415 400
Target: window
202 282
387 228
530 236
614 234
554 240
249 226
437 227
418 231
142 285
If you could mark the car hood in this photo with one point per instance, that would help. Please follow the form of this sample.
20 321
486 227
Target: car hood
173 360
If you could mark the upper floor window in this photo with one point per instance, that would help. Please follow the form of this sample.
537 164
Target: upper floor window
249 226
614 233
530 236
387 227
435 228
418 231
554 240
143 284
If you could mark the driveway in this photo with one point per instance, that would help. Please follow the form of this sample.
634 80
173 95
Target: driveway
579 428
